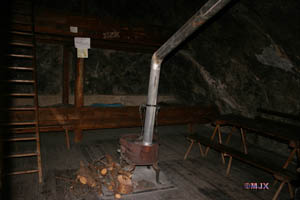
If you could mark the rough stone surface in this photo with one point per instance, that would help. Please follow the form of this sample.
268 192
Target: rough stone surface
244 58
49 68
116 72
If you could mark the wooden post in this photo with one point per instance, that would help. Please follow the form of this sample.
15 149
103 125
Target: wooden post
79 94
66 75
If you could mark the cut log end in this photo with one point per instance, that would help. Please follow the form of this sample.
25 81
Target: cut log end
118 196
103 172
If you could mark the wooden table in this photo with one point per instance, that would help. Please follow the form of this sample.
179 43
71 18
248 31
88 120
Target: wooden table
286 133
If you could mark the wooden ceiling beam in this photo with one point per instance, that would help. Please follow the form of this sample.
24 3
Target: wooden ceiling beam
54 27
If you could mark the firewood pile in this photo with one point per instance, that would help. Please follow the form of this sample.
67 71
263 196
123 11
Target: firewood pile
107 174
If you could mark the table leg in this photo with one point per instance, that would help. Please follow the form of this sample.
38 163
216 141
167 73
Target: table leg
244 141
212 137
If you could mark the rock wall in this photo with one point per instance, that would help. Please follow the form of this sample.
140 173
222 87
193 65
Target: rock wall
120 75
244 58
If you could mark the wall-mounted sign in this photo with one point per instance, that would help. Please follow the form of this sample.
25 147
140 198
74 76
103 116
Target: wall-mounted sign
82 53
73 29
82 44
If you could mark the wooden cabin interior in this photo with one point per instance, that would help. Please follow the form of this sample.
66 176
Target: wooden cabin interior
150 100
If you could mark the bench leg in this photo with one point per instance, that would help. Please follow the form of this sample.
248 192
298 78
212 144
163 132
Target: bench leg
188 151
190 128
67 138
223 158
212 137
278 191
244 141
275 182
201 151
229 166
291 190
220 142
287 162
219 136
228 138
229 135
298 157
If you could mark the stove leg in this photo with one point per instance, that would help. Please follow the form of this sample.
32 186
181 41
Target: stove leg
157 170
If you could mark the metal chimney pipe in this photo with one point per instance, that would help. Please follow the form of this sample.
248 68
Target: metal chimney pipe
206 12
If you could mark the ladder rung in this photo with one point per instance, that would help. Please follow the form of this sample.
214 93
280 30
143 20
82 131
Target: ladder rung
21 33
22 130
19 109
21 27
20 56
22 94
22 68
19 81
20 155
16 139
22 23
21 12
18 123
24 44
22 2
21 9
23 172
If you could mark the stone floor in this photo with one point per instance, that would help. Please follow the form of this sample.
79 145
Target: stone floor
194 178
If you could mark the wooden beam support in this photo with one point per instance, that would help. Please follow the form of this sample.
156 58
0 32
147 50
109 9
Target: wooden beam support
79 94
66 75
79 83
52 118
54 27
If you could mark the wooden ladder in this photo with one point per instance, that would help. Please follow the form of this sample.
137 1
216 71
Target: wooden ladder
22 90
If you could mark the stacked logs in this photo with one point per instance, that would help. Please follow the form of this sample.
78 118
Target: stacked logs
107 173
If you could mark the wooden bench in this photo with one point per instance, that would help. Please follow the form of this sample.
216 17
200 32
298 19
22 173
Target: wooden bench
279 174
282 116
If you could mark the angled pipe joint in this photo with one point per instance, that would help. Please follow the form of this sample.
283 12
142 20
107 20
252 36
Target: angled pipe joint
209 9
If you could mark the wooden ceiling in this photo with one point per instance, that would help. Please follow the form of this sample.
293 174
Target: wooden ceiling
54 27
